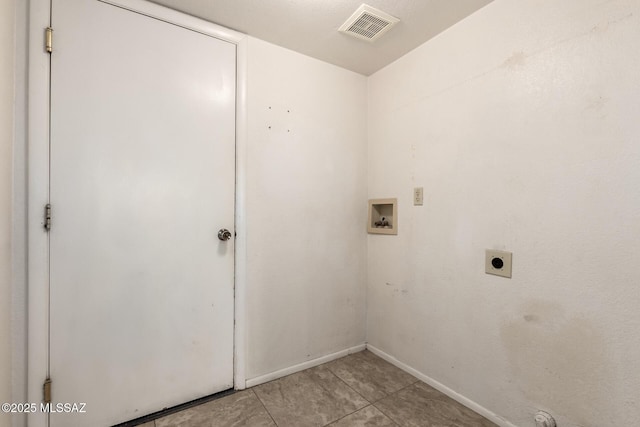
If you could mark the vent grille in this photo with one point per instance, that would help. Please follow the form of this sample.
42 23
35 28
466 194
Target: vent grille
368 23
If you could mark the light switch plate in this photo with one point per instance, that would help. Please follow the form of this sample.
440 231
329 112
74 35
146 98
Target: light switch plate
498 263
418 196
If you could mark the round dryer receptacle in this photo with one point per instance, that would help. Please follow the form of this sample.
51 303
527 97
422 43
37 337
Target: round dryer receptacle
497 263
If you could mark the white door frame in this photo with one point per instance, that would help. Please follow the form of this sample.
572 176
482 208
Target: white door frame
38 187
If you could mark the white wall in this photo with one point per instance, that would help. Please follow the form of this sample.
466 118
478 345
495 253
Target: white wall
7 64
306 197
522 125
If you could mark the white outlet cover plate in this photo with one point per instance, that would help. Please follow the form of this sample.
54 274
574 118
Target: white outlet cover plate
503 257
418 196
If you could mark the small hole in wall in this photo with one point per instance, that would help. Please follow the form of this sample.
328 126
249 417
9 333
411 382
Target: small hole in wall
497 263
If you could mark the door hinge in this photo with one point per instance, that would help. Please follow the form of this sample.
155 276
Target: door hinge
47 216
48 39
46 391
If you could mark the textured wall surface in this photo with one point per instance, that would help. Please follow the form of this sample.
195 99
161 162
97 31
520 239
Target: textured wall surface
7 64
521 123
306 197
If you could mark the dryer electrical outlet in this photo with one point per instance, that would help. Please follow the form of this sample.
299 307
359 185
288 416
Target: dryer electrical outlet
497 263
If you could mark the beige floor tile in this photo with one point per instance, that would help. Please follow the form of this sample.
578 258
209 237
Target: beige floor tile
369 375
149 424
369 416
420 405
241 409
314 397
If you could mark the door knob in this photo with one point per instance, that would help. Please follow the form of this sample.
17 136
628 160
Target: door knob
224 234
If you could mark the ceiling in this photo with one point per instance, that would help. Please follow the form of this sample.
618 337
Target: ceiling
310 26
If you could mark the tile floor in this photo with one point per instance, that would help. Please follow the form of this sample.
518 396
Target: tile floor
358 390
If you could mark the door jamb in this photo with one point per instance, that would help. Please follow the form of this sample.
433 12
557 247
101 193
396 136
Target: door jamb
38 187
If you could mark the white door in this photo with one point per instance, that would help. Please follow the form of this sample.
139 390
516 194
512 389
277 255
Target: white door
142 179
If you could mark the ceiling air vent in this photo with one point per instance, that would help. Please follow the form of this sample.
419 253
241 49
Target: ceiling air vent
368 23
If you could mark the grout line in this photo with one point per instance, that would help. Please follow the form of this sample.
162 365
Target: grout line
425 379
350 388
386 395
345 416
389 395
416 380
398 391
370 403
263 405
345 383
386 415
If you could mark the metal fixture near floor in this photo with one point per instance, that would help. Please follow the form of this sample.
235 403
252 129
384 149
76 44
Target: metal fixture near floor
543 419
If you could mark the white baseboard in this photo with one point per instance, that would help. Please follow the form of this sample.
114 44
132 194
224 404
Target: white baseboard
491 416
302 366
